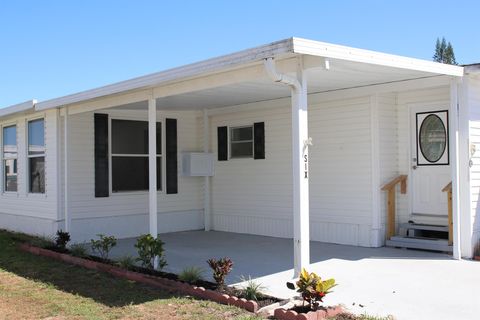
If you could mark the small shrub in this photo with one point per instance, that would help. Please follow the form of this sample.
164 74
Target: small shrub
103 245
312 288
126 262
252 289
62 239
79 250
191 274
148 248
221 268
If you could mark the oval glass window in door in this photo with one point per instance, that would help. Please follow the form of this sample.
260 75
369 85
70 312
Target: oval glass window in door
432 138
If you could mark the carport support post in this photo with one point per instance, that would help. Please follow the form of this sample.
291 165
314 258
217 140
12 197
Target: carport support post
454 159
300 143
66 186
152 170
206 145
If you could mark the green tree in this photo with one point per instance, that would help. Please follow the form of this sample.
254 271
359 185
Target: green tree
444 52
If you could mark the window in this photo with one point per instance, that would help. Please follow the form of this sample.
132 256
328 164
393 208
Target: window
241 142
130 170
36 156
10 155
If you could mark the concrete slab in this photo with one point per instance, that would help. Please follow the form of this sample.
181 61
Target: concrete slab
408 284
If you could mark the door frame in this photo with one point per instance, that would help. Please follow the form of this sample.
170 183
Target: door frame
441 105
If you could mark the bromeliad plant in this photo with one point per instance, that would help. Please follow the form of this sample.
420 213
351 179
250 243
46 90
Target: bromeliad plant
221 268
312 288
61 239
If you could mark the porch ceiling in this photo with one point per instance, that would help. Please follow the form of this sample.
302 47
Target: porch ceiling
341 75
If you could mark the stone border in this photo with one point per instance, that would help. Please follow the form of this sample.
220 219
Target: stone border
163 283
283 314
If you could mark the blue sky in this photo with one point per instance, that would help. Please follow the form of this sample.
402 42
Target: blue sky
53 48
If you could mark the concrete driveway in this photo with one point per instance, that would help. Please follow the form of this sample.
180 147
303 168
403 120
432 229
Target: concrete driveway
407 284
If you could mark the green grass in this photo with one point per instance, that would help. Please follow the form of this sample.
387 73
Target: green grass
33 287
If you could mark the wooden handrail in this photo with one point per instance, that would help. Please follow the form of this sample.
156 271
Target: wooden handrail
390 188
400 179
448 189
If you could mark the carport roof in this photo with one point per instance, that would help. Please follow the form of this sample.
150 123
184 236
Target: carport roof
354 67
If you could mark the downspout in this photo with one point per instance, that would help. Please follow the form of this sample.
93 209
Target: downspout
279 77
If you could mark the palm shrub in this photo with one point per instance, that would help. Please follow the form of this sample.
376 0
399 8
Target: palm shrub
252 289
191 274
221 268
312 288
148 248
126 262
103 245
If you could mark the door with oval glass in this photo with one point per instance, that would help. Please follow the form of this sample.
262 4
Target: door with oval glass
430 161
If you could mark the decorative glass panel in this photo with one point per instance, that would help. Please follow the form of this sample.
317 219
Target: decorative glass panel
37 174
432 138
36 137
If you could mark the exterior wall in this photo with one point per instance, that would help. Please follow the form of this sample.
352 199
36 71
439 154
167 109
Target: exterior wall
473 100
255 196
126 214
22 211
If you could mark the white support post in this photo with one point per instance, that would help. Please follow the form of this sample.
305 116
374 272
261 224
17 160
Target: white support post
300 144
454 159
152 167
206 145
66 172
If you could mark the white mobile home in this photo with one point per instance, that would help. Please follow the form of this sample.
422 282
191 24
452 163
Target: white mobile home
297 139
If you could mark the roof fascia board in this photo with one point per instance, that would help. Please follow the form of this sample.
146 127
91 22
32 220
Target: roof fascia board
17 108
327 50
207 66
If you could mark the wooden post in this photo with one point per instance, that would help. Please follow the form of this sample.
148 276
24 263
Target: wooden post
391 213
450 218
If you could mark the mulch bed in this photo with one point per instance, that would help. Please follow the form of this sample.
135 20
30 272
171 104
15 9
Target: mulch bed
167 281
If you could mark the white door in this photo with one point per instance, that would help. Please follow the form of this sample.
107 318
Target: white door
430 161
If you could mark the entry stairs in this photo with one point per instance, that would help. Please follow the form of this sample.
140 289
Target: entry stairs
421 236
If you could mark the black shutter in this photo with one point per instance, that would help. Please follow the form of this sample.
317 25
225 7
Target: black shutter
171 155
259 140
222 137
101 155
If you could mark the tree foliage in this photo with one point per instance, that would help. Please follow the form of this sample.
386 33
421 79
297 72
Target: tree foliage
444 52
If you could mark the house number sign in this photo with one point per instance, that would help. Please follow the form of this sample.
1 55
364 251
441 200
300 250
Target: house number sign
305 162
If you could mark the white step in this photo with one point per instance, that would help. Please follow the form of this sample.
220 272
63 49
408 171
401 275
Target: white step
422 226
420 243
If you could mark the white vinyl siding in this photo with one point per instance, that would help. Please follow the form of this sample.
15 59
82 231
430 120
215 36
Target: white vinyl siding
125 214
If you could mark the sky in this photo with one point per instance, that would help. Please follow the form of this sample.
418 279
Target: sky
54 48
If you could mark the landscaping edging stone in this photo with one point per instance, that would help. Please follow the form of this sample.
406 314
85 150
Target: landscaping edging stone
163 283
283 314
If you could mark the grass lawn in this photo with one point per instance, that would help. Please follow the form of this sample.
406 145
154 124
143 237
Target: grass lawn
33 287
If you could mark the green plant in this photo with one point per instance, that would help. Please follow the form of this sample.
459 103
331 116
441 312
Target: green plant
126 262
103 245
221 268
252 289
148 249
191 274
61 239
79 250
312 288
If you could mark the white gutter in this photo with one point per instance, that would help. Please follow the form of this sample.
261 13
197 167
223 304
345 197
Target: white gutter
17 108
201 68
269 64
